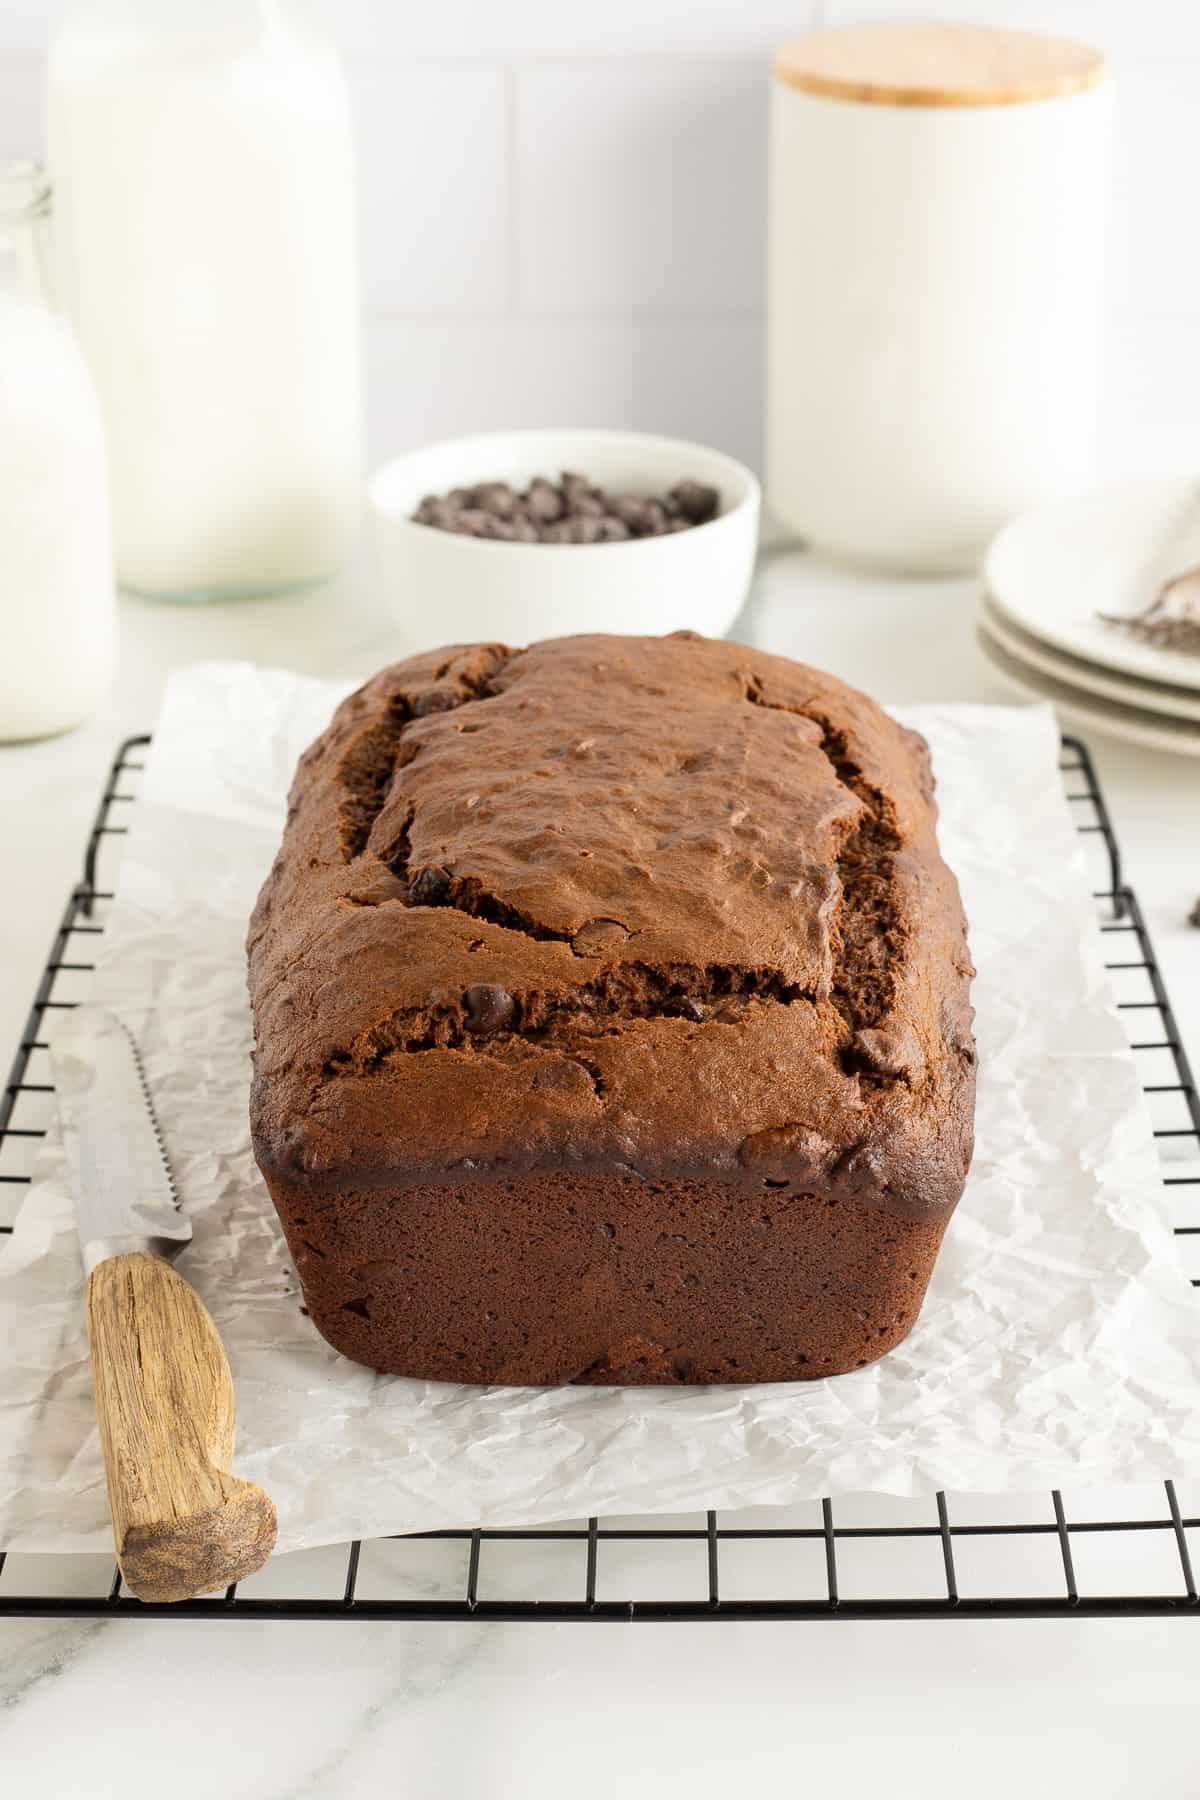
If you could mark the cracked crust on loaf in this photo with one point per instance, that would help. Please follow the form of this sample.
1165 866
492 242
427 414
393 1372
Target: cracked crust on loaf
612 1018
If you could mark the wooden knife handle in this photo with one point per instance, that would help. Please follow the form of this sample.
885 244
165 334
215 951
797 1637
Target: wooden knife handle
183 1524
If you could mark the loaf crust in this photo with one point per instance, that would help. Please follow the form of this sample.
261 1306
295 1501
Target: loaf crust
612 1019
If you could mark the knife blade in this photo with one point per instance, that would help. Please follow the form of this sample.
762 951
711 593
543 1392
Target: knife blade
125 1193
182 1523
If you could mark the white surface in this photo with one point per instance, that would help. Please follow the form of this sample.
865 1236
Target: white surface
203 165
478 589
1054 569
1072 1707
1088 712
1155 697
934 312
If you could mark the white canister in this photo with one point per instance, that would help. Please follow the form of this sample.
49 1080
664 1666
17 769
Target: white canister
202 152
936 247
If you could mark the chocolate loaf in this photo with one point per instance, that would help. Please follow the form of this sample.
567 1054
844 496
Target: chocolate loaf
612 1019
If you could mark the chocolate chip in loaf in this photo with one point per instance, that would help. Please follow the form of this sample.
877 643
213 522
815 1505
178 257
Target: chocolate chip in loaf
783 1153
891 1051
489 1009
599 936
860 1168
429 887
685 1008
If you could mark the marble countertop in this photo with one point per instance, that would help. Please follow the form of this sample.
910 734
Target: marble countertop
269 1710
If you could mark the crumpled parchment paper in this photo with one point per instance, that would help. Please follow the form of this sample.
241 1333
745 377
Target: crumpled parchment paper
1059 1343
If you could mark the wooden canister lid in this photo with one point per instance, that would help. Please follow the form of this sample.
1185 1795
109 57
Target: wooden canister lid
939 65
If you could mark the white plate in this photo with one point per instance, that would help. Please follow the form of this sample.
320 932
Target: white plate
1052 570
1089 711
1155 696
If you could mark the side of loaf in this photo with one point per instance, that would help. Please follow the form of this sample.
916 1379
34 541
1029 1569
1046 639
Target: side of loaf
612 1019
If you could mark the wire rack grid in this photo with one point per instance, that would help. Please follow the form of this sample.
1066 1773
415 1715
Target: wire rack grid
793 1563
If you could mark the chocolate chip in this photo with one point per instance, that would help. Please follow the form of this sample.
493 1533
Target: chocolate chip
582 499
598 936
543 502
860 1167
892 1051
685 1008
429 887
561 1077
496 498
489 1009
575 530
435 700
575 511
632 511
433 510
472 521
695 500
784 1153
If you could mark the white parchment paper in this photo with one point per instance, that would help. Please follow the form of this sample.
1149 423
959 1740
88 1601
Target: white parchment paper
1059 1342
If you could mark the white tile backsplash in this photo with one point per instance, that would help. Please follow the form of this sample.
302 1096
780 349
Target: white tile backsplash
563 205
639 185
434 173
27 24
1155 263
1127 30
693 378
22 125
1151 359
501 29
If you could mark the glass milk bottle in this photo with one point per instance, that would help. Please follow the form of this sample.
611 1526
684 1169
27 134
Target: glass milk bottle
57 623
204 158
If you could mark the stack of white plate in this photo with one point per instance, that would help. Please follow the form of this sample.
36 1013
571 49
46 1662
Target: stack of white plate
1049 577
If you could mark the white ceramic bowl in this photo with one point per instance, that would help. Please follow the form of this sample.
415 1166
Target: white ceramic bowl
445 589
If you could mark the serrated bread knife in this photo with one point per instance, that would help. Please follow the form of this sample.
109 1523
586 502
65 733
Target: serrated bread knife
183 1524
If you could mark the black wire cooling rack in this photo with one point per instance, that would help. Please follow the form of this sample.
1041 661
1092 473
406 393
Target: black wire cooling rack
957 1557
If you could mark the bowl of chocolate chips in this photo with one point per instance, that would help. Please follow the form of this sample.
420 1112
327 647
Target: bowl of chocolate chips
529 534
